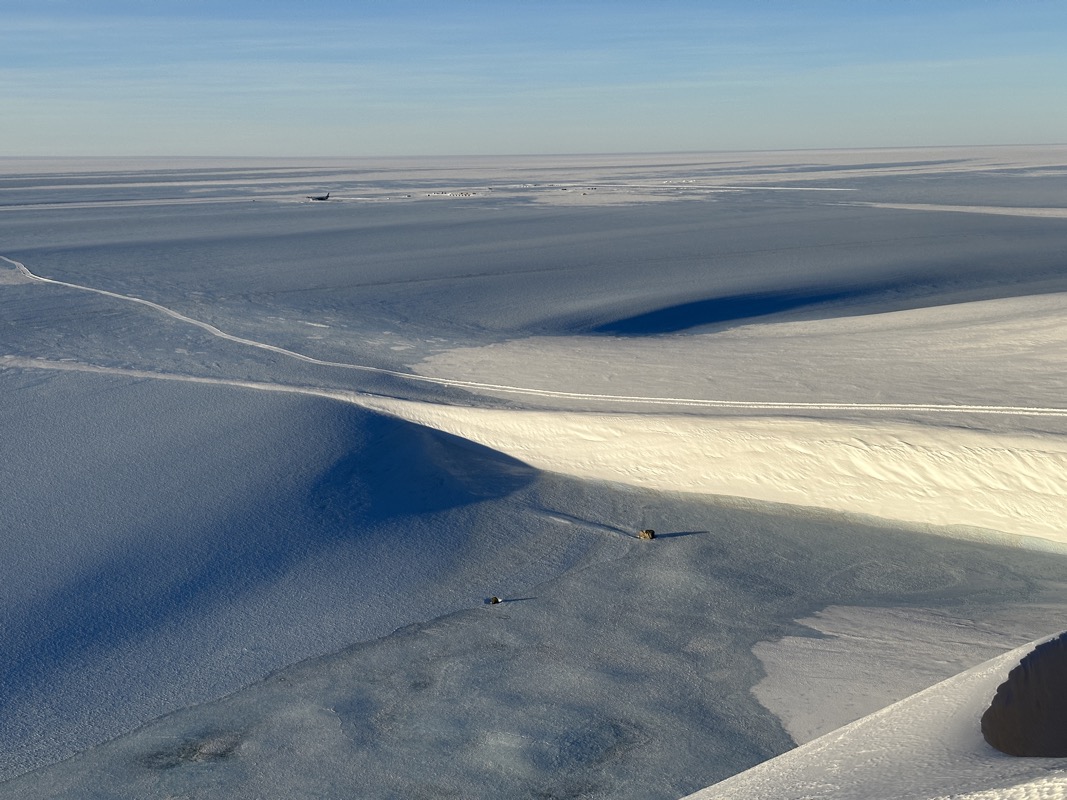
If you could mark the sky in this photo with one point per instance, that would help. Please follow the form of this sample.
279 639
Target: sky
321 78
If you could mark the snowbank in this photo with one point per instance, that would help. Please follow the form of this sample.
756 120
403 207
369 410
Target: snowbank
926 747
951 478
863 659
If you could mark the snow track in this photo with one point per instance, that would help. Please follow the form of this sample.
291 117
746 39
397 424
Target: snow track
973 481
950 476
476 386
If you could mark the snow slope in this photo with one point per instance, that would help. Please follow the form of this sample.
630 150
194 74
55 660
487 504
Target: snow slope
625 678
951 478
853 661
926 747
239 435
191 538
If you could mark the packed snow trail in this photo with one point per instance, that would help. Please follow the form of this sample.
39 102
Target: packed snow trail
743 405
956 478
78 366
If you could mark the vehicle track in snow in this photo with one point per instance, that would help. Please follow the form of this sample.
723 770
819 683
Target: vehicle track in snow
736 405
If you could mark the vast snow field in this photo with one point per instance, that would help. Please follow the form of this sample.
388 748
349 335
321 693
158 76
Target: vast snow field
265 459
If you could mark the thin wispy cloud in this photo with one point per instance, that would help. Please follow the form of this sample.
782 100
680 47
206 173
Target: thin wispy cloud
512 66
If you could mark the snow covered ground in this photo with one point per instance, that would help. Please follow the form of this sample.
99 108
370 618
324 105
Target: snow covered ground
925 746
264 461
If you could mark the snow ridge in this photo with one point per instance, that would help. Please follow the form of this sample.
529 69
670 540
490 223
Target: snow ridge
547 393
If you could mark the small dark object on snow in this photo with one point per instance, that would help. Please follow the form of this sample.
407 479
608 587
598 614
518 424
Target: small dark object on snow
494 600
647 533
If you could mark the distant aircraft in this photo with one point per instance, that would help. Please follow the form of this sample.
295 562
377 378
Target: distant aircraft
318 196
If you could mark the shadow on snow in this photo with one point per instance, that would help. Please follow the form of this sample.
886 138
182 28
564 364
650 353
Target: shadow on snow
392 469
718 310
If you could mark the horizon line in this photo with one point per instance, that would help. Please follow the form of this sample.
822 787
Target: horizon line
572 154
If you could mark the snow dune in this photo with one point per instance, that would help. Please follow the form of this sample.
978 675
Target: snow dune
245 435
192 537
951 478
944 477
862 659
958 358
957 481
926 747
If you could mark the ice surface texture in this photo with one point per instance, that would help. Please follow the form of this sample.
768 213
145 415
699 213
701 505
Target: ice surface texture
168 542
627 678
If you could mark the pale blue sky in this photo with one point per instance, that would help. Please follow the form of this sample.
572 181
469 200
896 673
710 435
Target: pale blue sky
332 78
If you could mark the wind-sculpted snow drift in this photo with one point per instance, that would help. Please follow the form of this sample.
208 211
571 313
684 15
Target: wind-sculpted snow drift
253 529
240 435
926 747
958 479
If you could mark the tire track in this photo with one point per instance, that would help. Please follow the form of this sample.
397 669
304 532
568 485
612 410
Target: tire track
742 405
